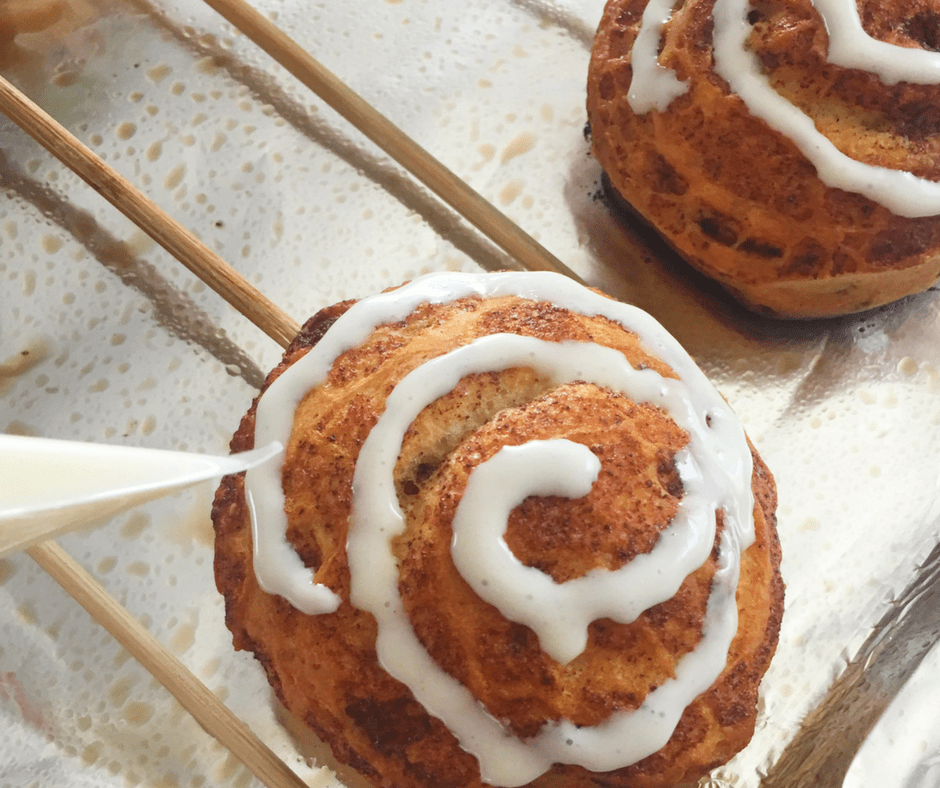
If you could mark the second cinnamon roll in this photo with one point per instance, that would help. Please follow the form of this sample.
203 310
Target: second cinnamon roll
788 150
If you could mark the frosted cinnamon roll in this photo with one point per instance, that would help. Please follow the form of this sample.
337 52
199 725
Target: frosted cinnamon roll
788 150
515 538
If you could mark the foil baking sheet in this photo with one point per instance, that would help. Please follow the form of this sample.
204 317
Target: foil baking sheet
104 337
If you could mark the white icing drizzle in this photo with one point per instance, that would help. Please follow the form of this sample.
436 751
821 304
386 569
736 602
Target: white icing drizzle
652 86
560 613
901 192
851 47
715 469
555 612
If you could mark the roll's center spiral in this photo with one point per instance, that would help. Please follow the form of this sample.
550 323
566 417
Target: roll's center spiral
555 612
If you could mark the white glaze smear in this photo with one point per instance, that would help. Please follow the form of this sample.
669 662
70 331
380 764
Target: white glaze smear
715 469
901 192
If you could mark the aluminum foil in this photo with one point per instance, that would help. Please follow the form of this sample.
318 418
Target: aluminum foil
104 337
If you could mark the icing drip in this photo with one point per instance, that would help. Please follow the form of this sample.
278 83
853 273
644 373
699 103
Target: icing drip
715 469
850 46
652 87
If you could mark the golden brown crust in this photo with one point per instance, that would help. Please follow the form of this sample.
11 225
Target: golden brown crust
738 200
324 668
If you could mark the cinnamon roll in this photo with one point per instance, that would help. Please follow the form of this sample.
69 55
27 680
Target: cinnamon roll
515 538
788 150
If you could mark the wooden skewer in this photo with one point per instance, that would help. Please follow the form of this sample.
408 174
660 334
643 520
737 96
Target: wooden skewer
440 180
213 715
178 241
193 695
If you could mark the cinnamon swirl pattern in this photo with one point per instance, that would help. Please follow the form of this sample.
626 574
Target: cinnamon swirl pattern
788 150
514 534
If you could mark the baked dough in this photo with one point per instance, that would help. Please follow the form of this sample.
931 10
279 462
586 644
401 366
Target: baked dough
324 668
741 201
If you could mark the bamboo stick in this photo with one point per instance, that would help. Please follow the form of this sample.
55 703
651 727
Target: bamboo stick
434 175
213 715
192 694
166 231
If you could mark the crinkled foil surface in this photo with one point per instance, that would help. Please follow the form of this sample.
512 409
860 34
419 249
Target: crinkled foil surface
104 337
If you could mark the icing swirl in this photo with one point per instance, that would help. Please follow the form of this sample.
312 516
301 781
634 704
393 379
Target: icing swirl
654 87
